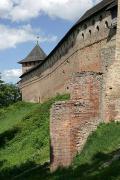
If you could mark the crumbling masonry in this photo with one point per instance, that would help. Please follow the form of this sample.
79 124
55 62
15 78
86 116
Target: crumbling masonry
71 122
86 64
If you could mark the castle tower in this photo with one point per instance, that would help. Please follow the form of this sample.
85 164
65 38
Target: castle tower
113 80
35 57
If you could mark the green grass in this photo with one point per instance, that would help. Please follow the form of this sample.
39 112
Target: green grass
24 136
105 140
96 162
12 115
24 147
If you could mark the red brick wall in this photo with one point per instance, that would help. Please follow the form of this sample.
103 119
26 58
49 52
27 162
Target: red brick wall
72 121
60 134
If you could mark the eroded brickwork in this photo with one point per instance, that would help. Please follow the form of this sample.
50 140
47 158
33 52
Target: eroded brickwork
60 127
72 121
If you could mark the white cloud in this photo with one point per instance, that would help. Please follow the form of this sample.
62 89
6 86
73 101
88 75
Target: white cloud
5 7
10 37
21 10
11 75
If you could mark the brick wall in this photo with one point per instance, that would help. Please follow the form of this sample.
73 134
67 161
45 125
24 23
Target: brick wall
71 122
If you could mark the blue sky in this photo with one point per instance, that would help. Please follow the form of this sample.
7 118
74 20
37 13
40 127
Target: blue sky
22 20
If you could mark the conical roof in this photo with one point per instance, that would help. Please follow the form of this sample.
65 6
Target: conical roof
37 54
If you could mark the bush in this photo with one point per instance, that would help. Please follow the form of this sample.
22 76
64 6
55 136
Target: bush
9 94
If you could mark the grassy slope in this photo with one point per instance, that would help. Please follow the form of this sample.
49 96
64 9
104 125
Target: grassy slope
24 136
24 145
12 115
96 162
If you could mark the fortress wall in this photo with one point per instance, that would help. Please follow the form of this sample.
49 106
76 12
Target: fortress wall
50 82
88 48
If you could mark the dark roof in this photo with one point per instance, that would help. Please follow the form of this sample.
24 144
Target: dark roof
95 9
100 6
112 5
37 54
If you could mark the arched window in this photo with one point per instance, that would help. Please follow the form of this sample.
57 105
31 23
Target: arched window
106 24
83 35
97 28
90 31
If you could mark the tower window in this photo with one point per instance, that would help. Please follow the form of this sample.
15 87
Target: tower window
90 31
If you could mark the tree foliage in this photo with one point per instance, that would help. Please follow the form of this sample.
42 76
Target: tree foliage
9 94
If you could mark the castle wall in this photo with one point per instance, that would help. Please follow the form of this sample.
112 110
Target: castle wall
88 48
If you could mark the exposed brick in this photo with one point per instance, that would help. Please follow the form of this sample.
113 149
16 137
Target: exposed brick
72 121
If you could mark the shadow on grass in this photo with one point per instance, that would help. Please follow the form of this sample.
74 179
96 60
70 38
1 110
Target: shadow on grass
7 136
28 170
102 167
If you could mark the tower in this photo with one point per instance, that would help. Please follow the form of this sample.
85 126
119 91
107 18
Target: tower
35 57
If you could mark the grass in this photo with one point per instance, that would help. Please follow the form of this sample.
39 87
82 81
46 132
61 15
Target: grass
24 147
99 160
12 115
24 136
105 140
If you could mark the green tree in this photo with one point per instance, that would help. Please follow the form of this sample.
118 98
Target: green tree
9 93
1 82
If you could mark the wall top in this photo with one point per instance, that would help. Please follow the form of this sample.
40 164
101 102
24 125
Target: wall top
91 12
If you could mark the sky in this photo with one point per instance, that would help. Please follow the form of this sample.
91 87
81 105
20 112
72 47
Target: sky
21 21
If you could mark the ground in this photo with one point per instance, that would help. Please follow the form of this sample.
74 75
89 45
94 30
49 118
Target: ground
24 147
